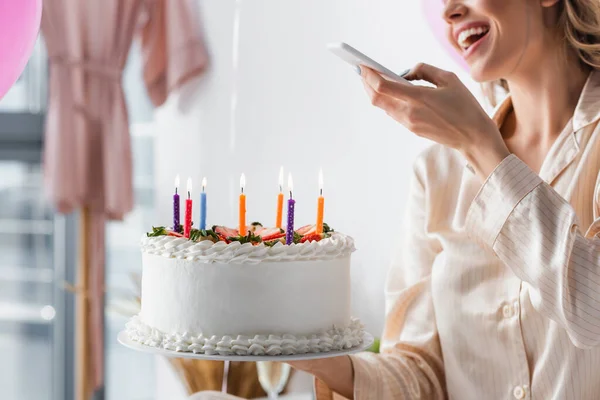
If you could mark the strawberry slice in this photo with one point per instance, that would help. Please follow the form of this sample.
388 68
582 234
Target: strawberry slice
173 233
306 229
225 232
270 234
312 237
274 236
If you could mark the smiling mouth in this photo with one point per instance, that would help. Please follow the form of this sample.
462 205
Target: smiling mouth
469 37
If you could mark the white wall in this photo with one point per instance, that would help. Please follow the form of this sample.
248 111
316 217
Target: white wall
301 107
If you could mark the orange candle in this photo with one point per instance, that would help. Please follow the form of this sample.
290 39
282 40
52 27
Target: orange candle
242 222
320 204
280 200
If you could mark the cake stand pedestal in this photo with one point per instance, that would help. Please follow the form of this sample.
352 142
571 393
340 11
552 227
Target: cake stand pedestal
122 338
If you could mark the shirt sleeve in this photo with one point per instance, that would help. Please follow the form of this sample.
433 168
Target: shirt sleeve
535 232
410 364
173 48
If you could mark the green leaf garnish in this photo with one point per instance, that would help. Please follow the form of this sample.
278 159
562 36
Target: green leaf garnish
157 231
249 238
195 234
198 234
210 233
297 237
327 228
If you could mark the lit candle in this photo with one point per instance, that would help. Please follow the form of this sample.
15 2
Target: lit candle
242 222
289 237
188 210
280 200
203 205
176 213
320 204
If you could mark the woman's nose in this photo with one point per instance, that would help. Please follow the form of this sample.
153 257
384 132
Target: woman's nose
453 10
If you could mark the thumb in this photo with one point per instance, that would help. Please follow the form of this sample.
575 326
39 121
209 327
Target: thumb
431 74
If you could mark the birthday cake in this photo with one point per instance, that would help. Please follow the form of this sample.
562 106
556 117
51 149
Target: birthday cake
263 293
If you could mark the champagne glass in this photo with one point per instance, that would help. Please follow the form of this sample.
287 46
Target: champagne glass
273 376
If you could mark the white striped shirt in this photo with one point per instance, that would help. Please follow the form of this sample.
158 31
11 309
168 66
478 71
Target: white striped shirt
496 294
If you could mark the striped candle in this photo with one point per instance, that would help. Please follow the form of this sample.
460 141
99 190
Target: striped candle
289 236
176 212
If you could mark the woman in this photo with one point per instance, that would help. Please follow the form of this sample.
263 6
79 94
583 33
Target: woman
498 292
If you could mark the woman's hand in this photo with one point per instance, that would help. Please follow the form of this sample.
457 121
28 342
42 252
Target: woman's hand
447 114
336 372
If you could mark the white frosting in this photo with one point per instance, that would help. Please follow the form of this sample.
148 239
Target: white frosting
338 245
297 297
242 299
330 340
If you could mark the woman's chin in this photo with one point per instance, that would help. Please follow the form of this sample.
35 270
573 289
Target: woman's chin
477 76
482 73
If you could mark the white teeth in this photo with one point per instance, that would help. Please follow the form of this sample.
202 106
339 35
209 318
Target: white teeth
464 35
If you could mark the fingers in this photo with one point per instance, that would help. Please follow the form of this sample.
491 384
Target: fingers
377 99
431 74
381 85
397 109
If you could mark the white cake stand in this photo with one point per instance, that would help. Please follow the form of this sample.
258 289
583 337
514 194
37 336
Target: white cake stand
125 341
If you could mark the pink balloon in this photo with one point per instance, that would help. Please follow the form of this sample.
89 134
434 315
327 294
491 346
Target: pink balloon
432 9
19 27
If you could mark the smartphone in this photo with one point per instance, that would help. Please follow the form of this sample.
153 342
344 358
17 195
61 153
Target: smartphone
356 58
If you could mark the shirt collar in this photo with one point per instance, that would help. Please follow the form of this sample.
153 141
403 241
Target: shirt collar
501 111
566 147
588 106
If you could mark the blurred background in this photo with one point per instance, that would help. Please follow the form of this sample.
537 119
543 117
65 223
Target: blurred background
272 95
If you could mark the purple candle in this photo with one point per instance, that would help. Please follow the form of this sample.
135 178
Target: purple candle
176 214
289 236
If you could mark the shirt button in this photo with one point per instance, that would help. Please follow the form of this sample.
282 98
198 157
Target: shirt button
519 393
507 311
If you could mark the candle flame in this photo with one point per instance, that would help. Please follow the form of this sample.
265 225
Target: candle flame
281 179
203 184
321 181
177 181
189 186
243 182
290 184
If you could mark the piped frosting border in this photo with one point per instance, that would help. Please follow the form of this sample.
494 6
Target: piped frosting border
334 339
338 245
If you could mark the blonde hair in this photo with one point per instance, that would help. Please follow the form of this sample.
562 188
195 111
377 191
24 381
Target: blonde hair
579 25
